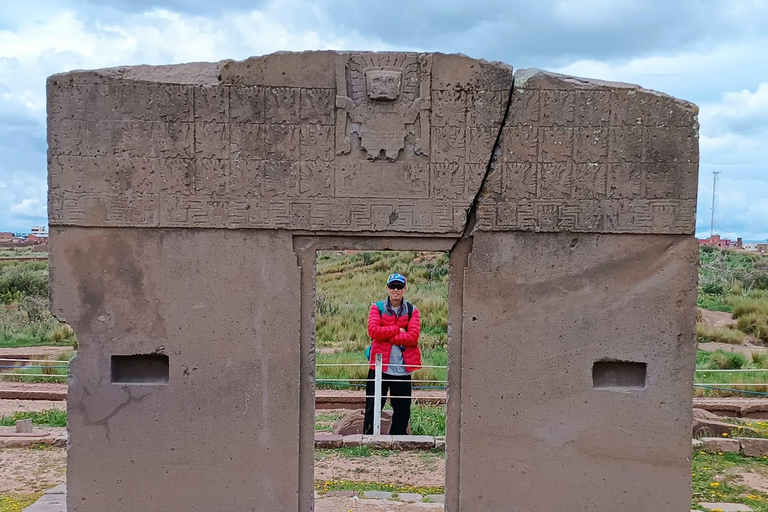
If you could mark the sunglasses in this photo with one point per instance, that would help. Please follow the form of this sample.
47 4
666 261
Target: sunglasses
395 286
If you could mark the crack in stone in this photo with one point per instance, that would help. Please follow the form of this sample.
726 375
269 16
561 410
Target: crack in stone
469 225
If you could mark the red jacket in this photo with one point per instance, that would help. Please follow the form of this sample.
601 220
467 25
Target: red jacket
384 330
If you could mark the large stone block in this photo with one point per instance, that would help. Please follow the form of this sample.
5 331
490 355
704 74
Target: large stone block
540 311
182 199
223 309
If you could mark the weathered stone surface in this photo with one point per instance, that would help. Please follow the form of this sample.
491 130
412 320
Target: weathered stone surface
54 500
352 422
24 426
340 494
138 291
712 428
297 141
377 495
696 444
590 156
323 440
551 290
291 141
413 442
720 444
26 440
703 414
353 440
435 498
753 447
409 497
726 507
554 304
379 442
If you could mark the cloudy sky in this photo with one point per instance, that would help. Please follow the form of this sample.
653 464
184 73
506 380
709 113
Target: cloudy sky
714 53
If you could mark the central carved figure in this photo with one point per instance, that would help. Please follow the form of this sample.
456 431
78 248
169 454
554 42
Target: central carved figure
385 95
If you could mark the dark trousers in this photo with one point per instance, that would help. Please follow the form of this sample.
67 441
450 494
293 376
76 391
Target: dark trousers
399 388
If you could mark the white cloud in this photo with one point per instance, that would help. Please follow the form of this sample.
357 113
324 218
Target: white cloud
31 207
708 56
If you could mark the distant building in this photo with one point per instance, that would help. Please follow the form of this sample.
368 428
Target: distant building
5 237
761 248
38 230
723 243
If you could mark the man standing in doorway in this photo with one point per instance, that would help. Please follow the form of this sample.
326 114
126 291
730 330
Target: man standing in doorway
394 327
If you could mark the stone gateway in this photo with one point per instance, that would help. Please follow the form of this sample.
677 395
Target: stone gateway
186 204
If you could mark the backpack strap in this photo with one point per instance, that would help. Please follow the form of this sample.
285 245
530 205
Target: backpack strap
408 307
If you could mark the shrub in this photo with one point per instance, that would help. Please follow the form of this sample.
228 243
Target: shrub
712 288
728 360
29 278
755 324
748 305
706 333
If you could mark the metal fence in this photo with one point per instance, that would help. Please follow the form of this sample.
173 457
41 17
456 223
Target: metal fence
7 366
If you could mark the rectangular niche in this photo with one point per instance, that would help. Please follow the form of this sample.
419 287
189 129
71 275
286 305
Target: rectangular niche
146 369
618 374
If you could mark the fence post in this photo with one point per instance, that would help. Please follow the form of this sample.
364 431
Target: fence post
377 398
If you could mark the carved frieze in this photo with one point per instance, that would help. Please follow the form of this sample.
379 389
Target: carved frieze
384 142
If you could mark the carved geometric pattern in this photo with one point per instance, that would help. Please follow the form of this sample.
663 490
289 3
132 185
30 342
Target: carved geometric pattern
396 145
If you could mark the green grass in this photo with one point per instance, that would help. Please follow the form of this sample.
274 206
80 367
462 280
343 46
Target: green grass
324 421
347 285
46 418
324 486
427 420
707 333
17 502
713 480
722 360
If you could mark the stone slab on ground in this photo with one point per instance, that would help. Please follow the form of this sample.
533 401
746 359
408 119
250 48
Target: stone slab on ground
389 506
413 442
755 408
25 391
323 440
753 447
726 507
339 494
54 500
377 495
720 444
378 442
410 497
353 440
696 444
8 441
435 498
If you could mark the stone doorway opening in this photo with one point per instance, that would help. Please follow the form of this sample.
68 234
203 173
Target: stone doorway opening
341 279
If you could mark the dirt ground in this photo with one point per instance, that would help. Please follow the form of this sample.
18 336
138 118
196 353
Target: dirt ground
8 407
418 469
28 471
716 318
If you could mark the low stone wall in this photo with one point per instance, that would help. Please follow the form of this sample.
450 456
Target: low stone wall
323 440
748 446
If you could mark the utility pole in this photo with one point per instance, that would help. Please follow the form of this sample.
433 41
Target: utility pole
714 203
